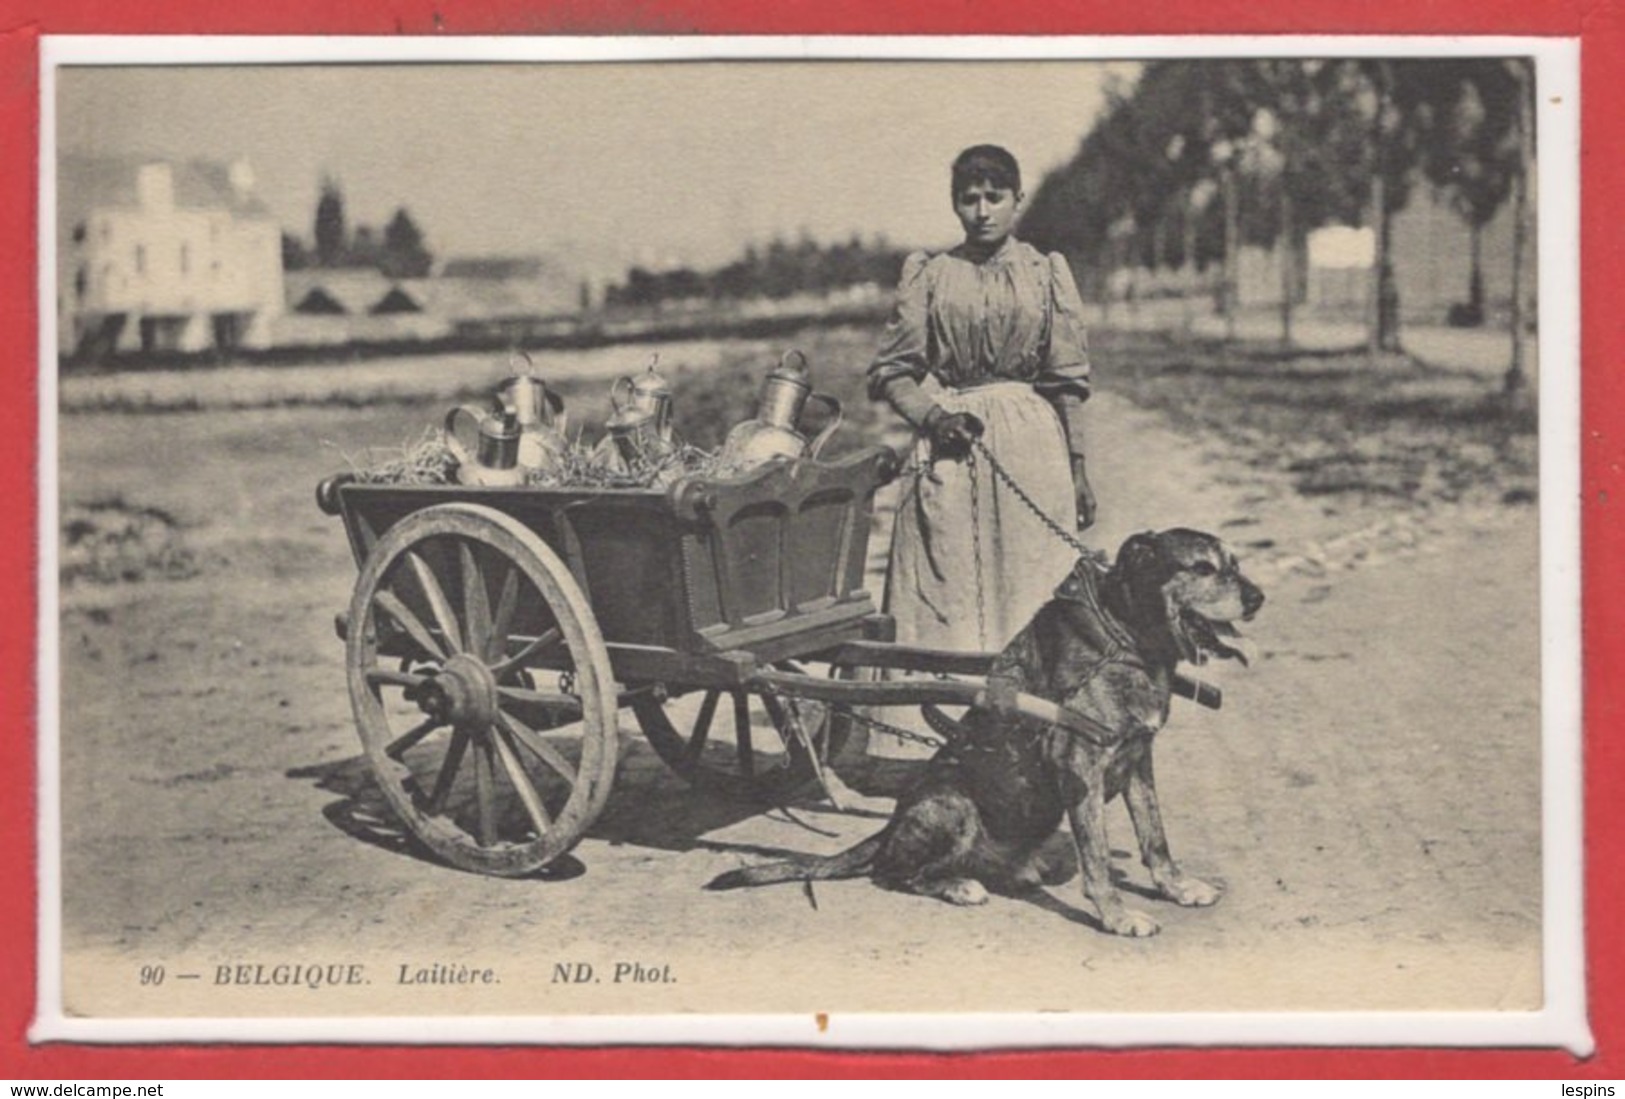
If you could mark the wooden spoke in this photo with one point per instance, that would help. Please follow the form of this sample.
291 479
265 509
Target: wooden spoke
546 640
502 620
448 772
438 605
407 740
539 698
446 593
485 788
390 677
747 754
476 601
702 726
521 781
397 610
745 765
533 742
783 720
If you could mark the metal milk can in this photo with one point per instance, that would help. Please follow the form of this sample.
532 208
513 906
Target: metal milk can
648 392
773 433
486 446
539 412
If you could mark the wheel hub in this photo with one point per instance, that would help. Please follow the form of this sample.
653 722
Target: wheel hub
463 693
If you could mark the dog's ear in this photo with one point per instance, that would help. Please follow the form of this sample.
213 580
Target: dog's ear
1141 556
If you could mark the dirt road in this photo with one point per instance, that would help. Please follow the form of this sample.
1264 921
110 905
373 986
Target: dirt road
1368 796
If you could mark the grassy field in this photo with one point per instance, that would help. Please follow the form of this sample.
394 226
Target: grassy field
1339 423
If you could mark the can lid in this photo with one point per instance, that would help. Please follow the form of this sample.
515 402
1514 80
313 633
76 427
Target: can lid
788 370
651 380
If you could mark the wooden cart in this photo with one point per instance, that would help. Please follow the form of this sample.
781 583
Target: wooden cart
494 634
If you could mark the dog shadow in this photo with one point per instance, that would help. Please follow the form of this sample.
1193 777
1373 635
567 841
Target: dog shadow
1046 901
1043 898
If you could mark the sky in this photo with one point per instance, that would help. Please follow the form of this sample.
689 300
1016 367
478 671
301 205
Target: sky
608 163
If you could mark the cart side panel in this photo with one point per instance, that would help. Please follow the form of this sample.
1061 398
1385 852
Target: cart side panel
784 551
754 563
750 544
818 544
628 564
621 546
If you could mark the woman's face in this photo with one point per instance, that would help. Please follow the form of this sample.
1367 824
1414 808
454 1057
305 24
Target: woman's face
987 211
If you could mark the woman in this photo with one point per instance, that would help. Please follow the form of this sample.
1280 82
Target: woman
986 348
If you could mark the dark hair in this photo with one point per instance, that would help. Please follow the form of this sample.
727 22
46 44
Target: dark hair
986 164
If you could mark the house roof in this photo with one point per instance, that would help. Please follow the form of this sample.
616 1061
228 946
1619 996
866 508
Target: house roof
85 183
356 290
363 290
495 267
491 299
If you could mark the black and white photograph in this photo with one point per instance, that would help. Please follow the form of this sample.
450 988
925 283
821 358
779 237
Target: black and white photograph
956 544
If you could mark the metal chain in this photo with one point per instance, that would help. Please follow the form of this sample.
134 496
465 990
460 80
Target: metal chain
1032 505
924 470
928 739
848 711
976 542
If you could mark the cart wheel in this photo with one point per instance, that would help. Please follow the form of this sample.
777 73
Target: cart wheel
502 657
760 758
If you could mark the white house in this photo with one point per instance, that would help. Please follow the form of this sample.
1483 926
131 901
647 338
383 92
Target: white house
163 256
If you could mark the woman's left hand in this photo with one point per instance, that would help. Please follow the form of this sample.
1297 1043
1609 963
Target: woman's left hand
1082 493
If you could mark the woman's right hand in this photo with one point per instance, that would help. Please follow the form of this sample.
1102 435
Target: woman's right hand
951 433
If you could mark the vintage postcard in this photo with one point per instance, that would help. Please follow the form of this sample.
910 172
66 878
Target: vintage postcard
649 540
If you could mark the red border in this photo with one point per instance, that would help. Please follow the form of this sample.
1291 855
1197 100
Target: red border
1601 26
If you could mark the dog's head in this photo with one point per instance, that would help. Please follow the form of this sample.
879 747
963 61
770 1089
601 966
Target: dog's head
1188 586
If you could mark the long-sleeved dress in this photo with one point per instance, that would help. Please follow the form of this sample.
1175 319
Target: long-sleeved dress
970 563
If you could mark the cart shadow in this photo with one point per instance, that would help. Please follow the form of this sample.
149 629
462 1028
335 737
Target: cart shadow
650 807
655 808
364 814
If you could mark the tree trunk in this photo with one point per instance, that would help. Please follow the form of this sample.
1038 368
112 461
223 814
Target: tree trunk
1286 246
1231 292
1103 284
1191 279
1387 288
1382 333
1373 297
1475 277
1519 378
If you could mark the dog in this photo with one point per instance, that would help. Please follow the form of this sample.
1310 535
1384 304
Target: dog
1105 648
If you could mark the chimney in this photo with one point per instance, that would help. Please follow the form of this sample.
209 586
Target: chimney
241 175
155 187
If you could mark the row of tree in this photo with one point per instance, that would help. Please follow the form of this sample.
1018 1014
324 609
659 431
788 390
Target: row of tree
399 251
1160 179
777 271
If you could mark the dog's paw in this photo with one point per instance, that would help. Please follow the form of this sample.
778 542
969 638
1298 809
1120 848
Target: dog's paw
964 891
1189 892
1133 924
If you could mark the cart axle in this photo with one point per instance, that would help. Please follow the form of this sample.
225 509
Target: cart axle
463 693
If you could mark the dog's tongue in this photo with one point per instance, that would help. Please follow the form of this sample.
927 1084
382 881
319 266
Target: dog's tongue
1234 645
